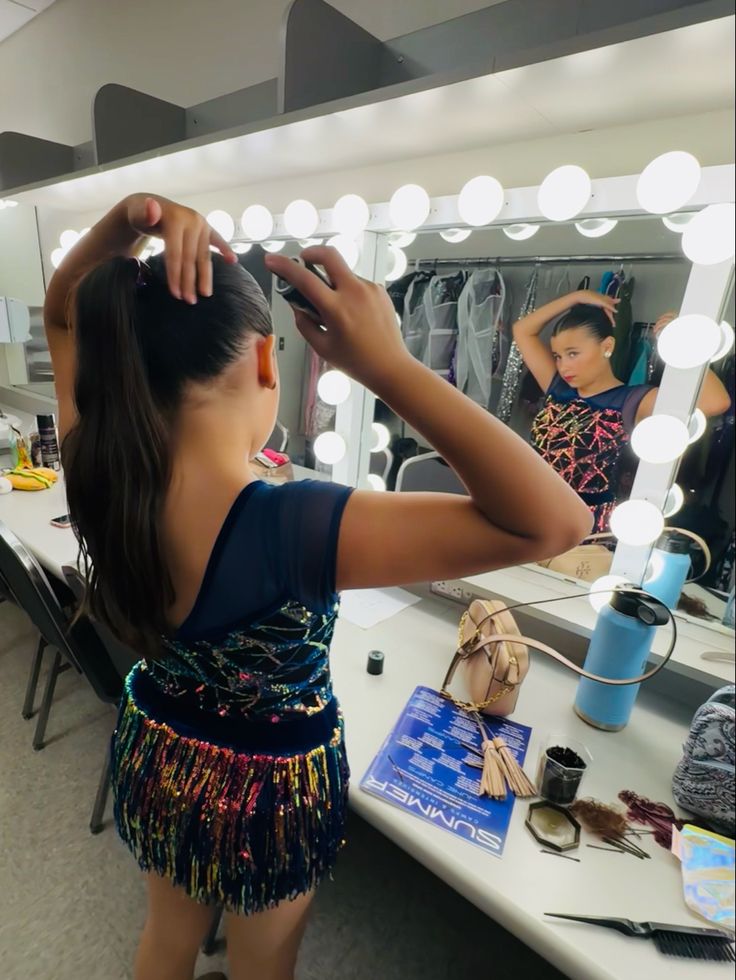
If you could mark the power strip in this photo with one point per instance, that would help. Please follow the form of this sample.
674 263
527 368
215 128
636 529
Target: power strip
453 589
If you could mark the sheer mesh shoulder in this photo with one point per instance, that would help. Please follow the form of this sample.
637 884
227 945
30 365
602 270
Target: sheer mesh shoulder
278 544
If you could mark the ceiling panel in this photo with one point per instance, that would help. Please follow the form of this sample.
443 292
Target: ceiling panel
14 15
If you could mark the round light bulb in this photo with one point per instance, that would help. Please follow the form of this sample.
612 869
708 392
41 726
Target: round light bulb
674 501
456 235
602 589
401 239
69 238
347 247
397 263
301 219
564 193
333 387
697 426
668 182
146 254
380 437
659 439
637 522
11 204
376 482
83 232
596 227
350 215
480 201
520 232
689 341
309 242
257 222
57 257
727 338
223 224
241 248
329 447
409 207
678 222
2 204
273 246
709 238
156 246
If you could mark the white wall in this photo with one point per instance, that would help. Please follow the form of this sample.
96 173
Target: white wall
185 51
20 262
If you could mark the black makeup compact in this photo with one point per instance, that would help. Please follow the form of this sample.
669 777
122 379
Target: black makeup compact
295 298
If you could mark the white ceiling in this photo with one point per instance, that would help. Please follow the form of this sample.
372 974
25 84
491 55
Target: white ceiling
15 13
681 72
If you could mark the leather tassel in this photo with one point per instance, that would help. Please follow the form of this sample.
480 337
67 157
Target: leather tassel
492 782
519 783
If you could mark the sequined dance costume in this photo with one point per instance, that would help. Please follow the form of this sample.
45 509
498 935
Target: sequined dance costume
584 439
230 775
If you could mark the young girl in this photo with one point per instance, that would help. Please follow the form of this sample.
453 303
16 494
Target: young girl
589 414
229 768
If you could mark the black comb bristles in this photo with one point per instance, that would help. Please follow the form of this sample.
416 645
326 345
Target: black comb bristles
694 947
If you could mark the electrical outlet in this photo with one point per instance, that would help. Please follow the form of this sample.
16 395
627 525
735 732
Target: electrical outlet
448 590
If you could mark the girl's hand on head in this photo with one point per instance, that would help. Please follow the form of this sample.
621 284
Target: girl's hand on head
187 238
360 335
591 297
663 321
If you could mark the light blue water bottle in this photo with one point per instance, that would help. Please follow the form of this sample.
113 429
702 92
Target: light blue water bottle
619 648
672 564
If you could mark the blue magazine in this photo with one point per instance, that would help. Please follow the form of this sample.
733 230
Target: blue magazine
422 768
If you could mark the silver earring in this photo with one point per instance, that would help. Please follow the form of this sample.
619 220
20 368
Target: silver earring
606 353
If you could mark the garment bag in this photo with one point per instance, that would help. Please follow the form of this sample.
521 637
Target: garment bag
440 307
479 311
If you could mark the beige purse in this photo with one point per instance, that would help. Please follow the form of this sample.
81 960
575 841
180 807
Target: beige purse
590 560
495 655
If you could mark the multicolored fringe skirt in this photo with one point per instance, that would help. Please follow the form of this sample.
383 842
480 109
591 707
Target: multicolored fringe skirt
243 822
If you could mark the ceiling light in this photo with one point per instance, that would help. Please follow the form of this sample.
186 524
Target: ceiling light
480 201
668 182
564 193
301 219
350 215
709 238
409 207
257 222
223 224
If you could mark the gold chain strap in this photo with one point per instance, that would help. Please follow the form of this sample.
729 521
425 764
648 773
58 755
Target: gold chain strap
472 705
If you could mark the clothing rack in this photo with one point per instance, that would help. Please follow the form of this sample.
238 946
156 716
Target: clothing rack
554 259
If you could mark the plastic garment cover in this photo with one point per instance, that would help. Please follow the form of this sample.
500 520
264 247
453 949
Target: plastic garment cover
479 312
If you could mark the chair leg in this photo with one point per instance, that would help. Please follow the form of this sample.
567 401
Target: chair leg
210 940
33 676
48 697
98 810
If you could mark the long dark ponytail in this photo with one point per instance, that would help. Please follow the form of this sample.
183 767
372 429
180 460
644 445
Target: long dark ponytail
137 348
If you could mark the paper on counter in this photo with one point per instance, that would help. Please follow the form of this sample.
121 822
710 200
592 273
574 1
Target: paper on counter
369 607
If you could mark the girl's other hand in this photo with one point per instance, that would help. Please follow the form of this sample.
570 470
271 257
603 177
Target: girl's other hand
663 321
187 238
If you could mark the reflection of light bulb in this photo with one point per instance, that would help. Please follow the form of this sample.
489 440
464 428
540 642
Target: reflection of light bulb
726 341
11 204
480 201
329 447
655 567
401 239
397 263
696 426
689 341
659 439
347 247
668 182
603 588
455 235
351 215
675 500
333 387
156 246
257 222
520 232
69 238
301 219
146 254
240 248
222 222
709 238
83 232
380 437
409 207
57 256
678 222
309 242
637 522
273 246
376 482
596 227
564 193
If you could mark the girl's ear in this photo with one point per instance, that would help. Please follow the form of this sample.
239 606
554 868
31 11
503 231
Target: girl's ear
266 352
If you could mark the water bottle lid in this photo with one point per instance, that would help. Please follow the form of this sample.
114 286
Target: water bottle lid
647 610
674 544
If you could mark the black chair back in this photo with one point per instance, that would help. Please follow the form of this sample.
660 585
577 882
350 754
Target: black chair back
78 644
121 655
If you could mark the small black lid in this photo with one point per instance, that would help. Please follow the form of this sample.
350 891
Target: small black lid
647 610
44 421
674 543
